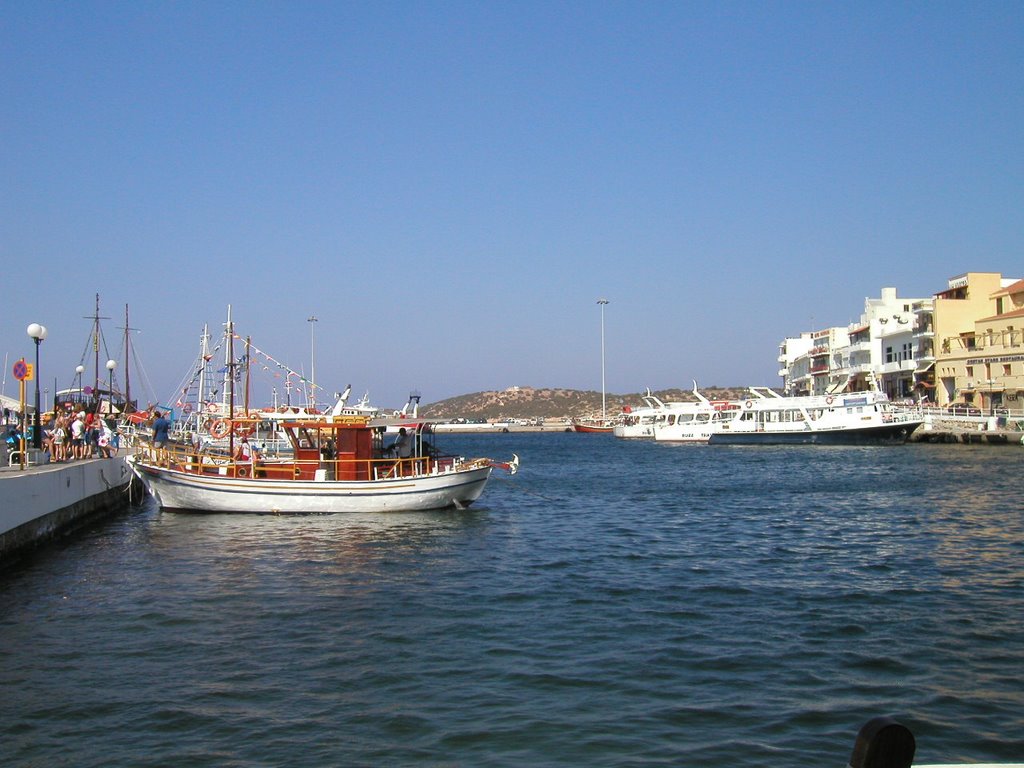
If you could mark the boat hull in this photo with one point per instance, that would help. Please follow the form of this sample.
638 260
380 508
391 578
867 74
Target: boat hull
179 490
587 429
885 433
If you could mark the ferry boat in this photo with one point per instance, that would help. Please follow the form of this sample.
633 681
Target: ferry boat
850 418
336 465
768 418
672 420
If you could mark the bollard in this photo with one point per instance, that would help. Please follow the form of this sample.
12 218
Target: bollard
883 743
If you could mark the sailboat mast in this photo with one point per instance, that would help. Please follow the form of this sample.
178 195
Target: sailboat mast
204 351
96 348
127 362
248 344
231 384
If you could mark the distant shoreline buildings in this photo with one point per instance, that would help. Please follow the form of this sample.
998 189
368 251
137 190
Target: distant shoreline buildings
965 344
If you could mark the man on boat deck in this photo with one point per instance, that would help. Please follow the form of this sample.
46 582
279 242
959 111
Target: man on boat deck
403 444
160 430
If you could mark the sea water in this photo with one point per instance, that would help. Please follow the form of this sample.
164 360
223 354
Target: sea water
614 604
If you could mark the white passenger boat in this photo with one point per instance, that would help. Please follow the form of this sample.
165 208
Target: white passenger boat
638 423
850 418
337 464
672 420
768 418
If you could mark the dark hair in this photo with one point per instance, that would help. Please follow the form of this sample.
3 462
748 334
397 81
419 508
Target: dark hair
156 414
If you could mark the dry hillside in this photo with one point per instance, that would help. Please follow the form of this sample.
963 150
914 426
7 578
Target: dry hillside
530 403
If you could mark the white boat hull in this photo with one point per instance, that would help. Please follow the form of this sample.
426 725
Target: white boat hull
174 489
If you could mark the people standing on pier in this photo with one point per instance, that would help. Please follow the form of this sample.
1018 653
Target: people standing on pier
105 441
59 437
78 436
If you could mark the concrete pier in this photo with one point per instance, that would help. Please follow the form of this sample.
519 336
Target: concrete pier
49 500
968 430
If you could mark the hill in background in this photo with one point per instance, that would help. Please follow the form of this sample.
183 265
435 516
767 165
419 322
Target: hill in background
530 403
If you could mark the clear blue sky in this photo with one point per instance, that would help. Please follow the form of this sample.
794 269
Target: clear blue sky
450 186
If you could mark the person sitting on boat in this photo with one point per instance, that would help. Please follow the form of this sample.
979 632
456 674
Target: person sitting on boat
244 456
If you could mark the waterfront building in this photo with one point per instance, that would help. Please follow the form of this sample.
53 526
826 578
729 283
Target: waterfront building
880 348
795 364
978 326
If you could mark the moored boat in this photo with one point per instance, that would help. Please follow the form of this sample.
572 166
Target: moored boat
850 418
674 421
336 465
593 426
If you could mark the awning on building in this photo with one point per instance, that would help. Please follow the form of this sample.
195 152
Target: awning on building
924 368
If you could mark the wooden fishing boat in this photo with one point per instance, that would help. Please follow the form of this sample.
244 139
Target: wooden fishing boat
336 465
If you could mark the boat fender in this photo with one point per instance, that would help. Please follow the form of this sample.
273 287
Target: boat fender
218 429
883 743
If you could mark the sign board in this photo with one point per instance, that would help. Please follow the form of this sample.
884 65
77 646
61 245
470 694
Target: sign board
23 371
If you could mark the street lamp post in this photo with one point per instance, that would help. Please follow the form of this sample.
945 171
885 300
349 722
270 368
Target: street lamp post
79 369
312 363
111 365
604 416
37 333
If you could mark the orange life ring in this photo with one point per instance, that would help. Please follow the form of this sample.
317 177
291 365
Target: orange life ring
211 407
219 429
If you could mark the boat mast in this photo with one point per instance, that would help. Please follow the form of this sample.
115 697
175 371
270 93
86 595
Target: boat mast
248 344
96 348
231 384
204 361
127 366
604 416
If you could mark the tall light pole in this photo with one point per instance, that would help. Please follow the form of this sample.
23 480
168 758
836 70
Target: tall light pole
79 369
602 302
312 362
37 333
111 365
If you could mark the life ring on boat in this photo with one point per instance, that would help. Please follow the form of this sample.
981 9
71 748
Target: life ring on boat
243 430
219 429
243 472
749 403
211 407
186 408
829 400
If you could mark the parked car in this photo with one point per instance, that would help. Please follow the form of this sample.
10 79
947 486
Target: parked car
962 409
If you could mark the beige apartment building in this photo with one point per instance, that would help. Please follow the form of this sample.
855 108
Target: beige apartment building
976 355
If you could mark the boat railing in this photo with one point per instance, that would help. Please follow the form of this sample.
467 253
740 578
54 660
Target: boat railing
205 461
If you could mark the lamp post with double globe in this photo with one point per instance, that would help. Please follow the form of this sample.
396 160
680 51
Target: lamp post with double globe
37 333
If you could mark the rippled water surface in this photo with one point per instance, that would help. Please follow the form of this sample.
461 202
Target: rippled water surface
614 604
